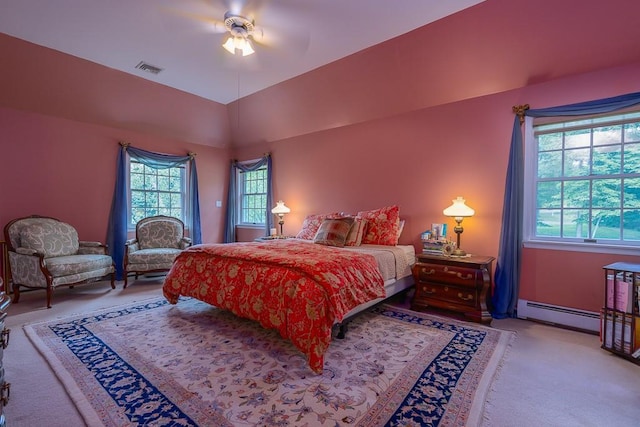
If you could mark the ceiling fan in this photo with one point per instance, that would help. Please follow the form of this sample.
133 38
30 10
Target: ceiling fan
240 29
278 32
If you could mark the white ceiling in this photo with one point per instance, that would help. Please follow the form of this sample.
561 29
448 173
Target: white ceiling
181 37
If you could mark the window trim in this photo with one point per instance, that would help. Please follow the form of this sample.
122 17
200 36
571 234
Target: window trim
184 192
529 208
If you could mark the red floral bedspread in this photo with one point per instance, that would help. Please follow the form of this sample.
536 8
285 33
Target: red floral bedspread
299 288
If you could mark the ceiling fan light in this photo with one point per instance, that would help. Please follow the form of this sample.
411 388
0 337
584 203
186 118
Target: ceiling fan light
238 43
246 48
229 46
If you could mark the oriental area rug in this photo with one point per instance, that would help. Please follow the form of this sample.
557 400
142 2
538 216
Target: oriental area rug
152 363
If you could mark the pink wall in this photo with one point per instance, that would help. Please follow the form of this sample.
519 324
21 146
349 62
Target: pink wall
66 169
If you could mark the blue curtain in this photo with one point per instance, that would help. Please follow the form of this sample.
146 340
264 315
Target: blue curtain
507 277
118 221
232 214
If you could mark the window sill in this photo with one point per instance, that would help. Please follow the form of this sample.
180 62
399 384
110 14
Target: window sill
582 247
251 226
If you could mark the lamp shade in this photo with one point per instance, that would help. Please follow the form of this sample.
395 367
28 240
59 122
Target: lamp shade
458 209
240 43
280 208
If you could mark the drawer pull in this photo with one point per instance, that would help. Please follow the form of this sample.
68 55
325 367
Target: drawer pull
429 291
4 337
428 272
468 298
468 276
5 392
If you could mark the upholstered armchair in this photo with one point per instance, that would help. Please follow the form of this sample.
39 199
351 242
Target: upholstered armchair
159 240
45 253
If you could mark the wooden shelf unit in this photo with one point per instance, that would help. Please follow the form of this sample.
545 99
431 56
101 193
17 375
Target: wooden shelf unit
620 315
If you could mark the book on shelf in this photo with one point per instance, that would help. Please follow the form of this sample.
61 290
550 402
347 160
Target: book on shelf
619 295
620 332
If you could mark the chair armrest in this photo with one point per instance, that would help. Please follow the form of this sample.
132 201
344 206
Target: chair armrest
185 242
86 243
26 251
91 248
132 245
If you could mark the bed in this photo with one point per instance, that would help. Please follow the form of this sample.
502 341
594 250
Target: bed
303 290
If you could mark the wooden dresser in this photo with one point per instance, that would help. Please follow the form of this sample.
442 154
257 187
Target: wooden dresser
457 284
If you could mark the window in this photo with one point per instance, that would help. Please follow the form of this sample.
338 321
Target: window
252 197
583 181
155 192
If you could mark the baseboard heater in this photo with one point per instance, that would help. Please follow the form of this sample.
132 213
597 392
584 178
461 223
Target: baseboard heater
561 316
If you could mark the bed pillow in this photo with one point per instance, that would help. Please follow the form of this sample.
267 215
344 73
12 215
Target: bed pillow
354 238
383 226
311 224
334 232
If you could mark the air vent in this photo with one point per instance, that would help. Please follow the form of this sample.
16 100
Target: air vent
148 68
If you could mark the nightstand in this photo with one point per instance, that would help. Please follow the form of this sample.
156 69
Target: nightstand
456 284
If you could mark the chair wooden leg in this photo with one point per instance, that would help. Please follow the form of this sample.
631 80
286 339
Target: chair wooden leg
49 295
16 292
126 275
113 278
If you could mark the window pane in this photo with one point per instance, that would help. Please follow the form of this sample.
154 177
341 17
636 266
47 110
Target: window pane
607 135
631 221
576 194
575 223
549 194
632 193
577 162
548 223
606 160
606 224
550 164
632 158
632 132
577 138
551 141
150 182
606 193
163 183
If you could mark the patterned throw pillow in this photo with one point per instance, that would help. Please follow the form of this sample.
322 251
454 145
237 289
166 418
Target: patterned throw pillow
382 226
357 231
334 232
311 224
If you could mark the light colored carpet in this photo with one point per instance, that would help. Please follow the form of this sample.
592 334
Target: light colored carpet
552 377
192 364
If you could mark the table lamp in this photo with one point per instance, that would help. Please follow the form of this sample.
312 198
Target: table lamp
280 210
458 210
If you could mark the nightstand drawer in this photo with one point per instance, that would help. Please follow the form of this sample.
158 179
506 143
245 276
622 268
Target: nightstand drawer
448 274
453 294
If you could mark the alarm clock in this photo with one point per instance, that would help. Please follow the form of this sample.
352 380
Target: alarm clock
448 248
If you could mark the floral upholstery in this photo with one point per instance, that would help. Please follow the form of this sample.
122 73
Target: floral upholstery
45 253
159 240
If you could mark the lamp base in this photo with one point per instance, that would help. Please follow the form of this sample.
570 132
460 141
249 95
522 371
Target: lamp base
458 252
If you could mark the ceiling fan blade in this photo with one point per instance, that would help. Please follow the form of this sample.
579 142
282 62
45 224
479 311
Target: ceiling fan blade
213 25
289 41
